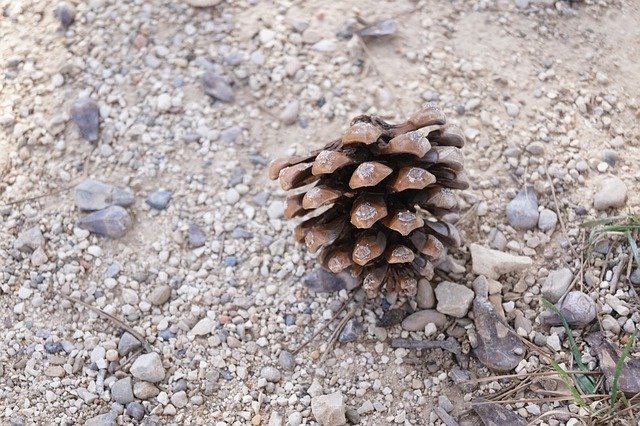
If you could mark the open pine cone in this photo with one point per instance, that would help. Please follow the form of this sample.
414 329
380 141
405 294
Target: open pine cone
378 195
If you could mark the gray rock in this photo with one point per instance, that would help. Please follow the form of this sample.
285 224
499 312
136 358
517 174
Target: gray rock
512 109
217 86
122 391
145 390
351 331
286 360
135 410
611 194
453 299
522 211
179 399
522 4
111 222
289 114
203 327
160 295
320 280
576 307
493 263
535 148
107 419
547 220
610 157
424 296
195 236
498 346
635 277
29 240
329 410
230 134
128 344
270 374
418 320
325 45
379 29
608 354
275 209
112 270
86 114
65 13
556 284
159 199
95 195
490 412
148 368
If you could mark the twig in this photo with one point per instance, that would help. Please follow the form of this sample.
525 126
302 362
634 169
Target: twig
113 319
525 375
37 197
338 330
557 205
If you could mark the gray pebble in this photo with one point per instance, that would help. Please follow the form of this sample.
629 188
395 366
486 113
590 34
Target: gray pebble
271 374
547 220
512 109
635 277
261 198
241 233
612 193
522 211
152 61
65 13
159 199
424 296
195 236
135 410
418 320
453 299
230 134
522 4
352 416
148 368
29 240
582 166
95 195
351 331
289 114
112 270
160 295
217 86
445 403
535 148
111 222
107 419
275 209
122 391
609 156
286 360
556 284
320 280
86 114
127 344
576 307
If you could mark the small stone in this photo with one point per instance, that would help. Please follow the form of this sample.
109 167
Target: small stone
230 261
148 367
111 222
195 236
39 257
95 195
320 280
608 353
522 211
576 307
217 87
29 240
232 196
289 114
425 297
86 114
351 331
107 419
329 410
230 134
203 327
135 410
493 263
453 299
611 194
418 320
122 391
159 199
556 284
270 374
179 399
160 295
352 416
128 344
535 148
65 13
325 46
202 3
54 371
609 323
635 277
547 220
610 157
286 360
145 390
553 342
275 209
512 109
163 103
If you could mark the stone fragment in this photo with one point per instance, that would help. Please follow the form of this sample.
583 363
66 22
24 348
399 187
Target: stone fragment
418 320
148 367
122 391
217 86
556 284
608 354
576 307
612 193
329 410
493 263
86 114
112 222
522 211
159 199
453 299
29 240
95 195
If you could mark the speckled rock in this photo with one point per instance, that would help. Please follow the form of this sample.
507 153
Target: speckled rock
113 222
148 367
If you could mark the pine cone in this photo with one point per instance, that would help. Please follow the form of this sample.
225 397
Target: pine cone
379 190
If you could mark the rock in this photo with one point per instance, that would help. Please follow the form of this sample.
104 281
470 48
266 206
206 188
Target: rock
611 194
635 277
320 280
122 392
498 346
29 240
128 344
95 195
163 103
195 236
202 3
453 299
179 399
39 257
286 360
608 355
86 114
275 209
325 46
135 410
54 371
159 199
148 367
351 331
379 29
495 414
392 317
289 114
609 323
203 327
217 86
547 220
107 419
493 263
65 13
111 222
522 211
270 374
230 134
145 390
576 307
512 109
329 410
425 297
160 295
553 342
556 284
418 320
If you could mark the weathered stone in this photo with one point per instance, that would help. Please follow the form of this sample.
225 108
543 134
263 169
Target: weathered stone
522 211
86 114
95 195
493 263
612 193
453 299
148 367
556 284
418 320
329 410
113 222
29 240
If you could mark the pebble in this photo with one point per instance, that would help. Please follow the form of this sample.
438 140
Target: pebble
29 240
512 109
107 419
522 211
202 3
493 263
195 236
230 134
95 195
148 368
320 280
159 199
128 344
232 196
203 327
179 399
609 323
289 114
135 410
553 341
453 299
160 295
217 87
286 360
112 222
418 320
329 410
122 391
425 298
325 46
65 13
86 114
270 374
163 103
351 331
556 284
635 277
145 390
576 307
547 220
275 209
612 193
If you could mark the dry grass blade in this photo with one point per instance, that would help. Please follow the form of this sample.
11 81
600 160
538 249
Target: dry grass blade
619 364
560 219
338 330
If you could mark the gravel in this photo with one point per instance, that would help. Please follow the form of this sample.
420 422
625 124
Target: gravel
86 114
612 193
122 391
159 199
453 299
95 195
329 410
418 320
148 367
556 284
547 220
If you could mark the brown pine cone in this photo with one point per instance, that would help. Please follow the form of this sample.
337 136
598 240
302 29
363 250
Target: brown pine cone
377 197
